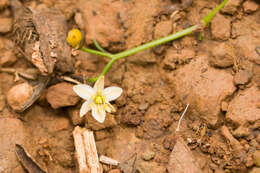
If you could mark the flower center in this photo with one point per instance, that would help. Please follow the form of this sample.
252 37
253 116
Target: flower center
99 99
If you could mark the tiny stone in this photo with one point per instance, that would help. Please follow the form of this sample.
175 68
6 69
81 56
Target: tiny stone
18 95
220 27
256 157
241 132
250 6
61 95
143 106
242 77
222 55
148 155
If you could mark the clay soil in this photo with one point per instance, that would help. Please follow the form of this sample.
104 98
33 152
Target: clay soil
217 76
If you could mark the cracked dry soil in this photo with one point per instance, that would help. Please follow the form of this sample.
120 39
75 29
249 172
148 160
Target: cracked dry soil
219 77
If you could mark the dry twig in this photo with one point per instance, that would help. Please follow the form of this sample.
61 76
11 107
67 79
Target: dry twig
86 152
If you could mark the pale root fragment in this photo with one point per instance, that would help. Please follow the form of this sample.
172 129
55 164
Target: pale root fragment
108 160
86 152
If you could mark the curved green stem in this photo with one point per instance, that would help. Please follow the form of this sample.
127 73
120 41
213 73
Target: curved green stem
209 17
98 46
114 57
151 44
95 52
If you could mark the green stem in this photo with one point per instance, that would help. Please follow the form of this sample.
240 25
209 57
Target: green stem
108 55
115 57
155 42
98 46
209 17
151 44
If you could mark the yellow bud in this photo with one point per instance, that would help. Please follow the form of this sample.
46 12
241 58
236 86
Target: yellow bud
74 38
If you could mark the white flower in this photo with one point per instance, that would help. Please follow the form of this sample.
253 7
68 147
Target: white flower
97 98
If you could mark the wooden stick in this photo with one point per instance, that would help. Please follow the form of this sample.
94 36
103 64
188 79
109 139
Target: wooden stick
86 152
108 160
80 151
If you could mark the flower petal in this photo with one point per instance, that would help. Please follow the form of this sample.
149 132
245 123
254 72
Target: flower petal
99 113
112 93
99 85
84 108
84 91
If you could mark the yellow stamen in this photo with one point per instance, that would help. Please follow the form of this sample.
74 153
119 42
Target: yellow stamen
98 99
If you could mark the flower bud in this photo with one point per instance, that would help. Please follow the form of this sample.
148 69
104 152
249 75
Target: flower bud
74 38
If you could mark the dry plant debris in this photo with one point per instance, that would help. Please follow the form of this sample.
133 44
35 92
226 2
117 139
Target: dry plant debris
86 152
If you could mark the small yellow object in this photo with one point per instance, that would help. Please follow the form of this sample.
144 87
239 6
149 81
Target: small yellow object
74 38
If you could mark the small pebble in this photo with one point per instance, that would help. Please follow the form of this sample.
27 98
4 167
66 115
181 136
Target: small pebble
18 95
148 155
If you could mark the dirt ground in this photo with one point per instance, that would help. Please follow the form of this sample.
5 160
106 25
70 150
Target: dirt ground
218 76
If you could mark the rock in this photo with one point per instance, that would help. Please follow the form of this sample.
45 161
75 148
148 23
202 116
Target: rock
12 131
148 167
7 58
242 77
250 6
243 108
222 55
231 140
203 87
131 115
18 95
62 95
5 24
102 19
241 132
163 29
74 116
148 155
245 47
255 170
220 27
231 6
3 4
93 124
256 157
182 160
143 106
